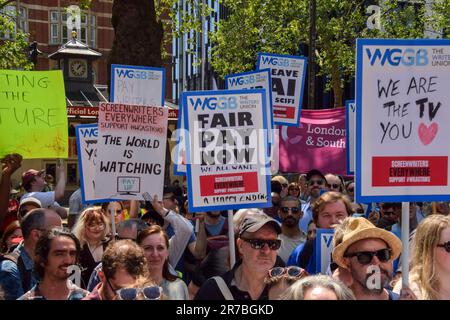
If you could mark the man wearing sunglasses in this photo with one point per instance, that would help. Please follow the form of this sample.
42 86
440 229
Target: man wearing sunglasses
367 253
291 235
123 263
257 244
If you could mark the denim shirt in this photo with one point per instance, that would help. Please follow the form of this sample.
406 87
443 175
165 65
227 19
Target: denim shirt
10 277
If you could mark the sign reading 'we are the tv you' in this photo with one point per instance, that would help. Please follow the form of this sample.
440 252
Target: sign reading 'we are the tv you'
402 103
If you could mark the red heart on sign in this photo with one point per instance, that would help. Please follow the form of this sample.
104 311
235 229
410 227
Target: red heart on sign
427 134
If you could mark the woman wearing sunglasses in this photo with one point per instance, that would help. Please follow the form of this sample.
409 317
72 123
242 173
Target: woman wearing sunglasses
155 243
429 277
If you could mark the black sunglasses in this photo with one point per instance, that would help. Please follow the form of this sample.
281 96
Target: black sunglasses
293 209
258 244
365 257
445 245
333 185
292 271
318 182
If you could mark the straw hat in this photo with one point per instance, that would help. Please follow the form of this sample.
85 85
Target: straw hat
360 229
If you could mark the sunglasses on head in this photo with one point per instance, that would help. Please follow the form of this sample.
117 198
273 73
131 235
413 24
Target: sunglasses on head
149 293
261 243
287 209
318 182
366 257
445 245
292 271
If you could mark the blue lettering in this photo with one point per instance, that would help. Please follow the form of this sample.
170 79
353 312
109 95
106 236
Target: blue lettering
408 57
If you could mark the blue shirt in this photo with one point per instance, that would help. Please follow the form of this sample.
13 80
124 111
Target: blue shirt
294 258
10 277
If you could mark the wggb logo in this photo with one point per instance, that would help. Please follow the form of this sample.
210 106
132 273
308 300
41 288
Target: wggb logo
274 61
241 80
214 103
132 74
396 56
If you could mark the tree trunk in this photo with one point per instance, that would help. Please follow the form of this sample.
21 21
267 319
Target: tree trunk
137 34
336 85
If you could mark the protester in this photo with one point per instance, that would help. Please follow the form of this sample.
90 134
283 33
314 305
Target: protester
113 208
16 269
311 234
10 164
319 287
123 262
334 183
76 207
429 278
329 210
284 184
155 243
11 237
442 208
294 190
257 244
56 251
34 183
350 188
91 230
26 205
367 253
141 289
303 185
291 235
279 279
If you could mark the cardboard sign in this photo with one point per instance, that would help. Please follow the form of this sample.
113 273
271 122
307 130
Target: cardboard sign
319 143
131 151
255 80
288 78
227 163
402 93
350 112
33 116
87 137
324 248
143 86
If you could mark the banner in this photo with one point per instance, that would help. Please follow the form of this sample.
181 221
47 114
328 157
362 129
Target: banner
227 163
402 96
143 86
87 137
288 81
319 143
33 116
324 248
131 151
350 111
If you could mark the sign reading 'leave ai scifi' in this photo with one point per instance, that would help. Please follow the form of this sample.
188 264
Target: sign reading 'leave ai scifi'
33 117
402 148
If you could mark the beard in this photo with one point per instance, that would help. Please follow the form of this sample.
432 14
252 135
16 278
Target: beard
373 282
290 222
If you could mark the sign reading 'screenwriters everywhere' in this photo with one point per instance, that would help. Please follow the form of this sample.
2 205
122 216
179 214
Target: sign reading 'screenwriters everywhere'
137 85
402 97
131 151
227 163
288 78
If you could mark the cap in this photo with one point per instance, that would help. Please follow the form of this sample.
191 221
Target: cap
252 223
30 200
29 175
314 172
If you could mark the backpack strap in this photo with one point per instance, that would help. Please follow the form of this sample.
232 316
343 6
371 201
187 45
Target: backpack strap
25 275
223 288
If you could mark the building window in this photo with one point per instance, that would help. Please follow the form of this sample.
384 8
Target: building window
59 34
19 18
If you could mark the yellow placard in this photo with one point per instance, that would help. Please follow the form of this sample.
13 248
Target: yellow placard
33 115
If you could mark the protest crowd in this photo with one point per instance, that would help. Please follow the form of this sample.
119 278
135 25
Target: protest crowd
159 250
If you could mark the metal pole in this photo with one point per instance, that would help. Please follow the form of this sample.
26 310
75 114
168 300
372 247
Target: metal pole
231 238
203 47
312 55
405 242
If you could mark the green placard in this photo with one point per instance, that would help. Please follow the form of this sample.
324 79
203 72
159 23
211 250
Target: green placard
33 115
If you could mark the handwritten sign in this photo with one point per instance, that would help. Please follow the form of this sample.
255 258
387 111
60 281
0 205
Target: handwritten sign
402 149
33 117
227 162
288 78
131 151
143 86
350 112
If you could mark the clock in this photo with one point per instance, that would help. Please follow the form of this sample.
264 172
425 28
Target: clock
78 68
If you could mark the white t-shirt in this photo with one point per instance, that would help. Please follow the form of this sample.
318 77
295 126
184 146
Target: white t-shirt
289 244
47 199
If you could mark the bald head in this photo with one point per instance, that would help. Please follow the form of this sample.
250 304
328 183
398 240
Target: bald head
40 219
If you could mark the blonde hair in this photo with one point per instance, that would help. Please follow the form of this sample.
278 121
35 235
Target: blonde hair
86 217
426 239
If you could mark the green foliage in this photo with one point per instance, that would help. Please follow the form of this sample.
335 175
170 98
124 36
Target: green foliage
13 45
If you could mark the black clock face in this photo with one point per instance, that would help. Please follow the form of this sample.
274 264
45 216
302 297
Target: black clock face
78 68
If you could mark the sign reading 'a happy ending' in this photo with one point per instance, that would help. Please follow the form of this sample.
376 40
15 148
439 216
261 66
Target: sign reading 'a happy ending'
402 97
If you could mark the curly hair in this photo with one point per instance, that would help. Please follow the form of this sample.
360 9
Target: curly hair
44 244
124 254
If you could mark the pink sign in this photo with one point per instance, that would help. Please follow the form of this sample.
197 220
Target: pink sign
319 143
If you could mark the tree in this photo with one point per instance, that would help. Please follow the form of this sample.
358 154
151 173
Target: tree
281 26
13 43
